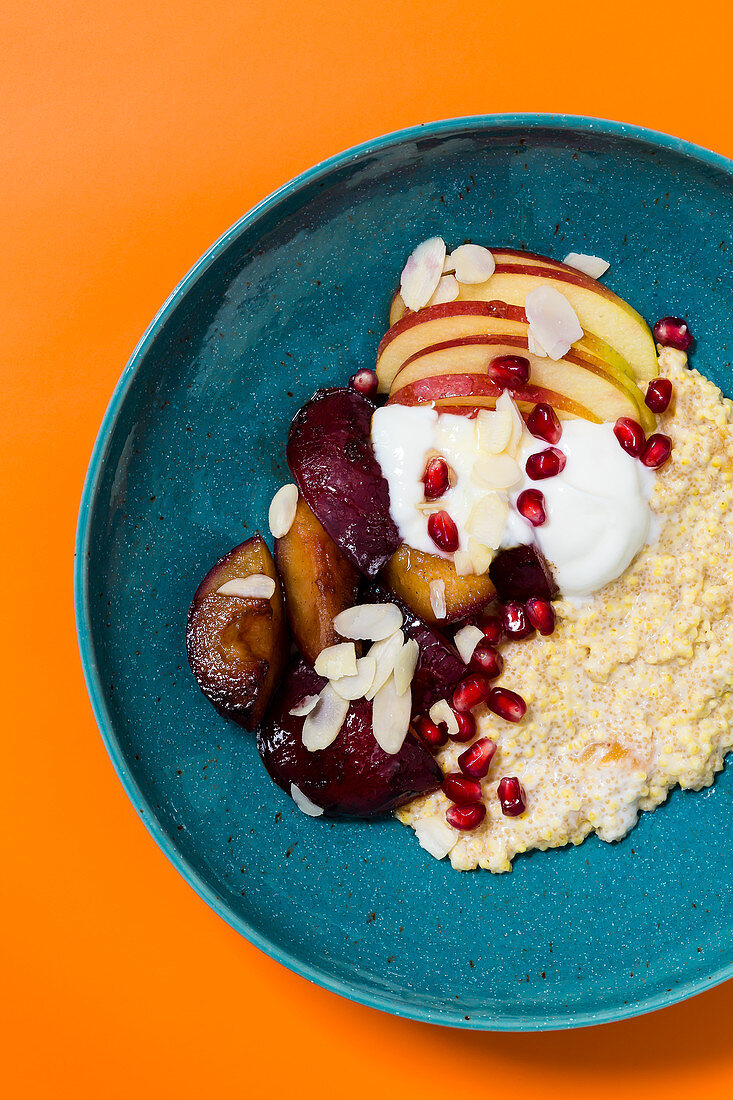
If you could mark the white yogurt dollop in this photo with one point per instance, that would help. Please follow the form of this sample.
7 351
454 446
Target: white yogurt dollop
598 515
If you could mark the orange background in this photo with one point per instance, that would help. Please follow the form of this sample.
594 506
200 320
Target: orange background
137 133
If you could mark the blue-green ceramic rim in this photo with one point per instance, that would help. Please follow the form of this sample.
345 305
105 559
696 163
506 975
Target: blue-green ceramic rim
387 1003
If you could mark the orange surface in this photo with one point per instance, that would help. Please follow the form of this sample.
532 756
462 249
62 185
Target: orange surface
133 134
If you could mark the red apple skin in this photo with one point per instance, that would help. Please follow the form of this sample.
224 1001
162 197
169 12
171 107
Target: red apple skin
452 309
450 387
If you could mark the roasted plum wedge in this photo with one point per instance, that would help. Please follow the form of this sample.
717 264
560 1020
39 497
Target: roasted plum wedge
439 668
353 777
409 574
319 582
332 459
237 646
522 573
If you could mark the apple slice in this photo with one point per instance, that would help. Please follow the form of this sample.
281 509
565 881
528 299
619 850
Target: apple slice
587 381
409 574
452 392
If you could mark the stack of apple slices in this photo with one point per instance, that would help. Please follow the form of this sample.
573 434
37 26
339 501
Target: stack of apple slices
439 352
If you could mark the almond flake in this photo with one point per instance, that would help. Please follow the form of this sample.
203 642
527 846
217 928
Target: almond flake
356 686
447 290
421 273
506 402
282 510
437 599
405 665
467 638
552 320
462 563
593 266
336 661
385 653
494 430
305 706
488 520
473 263
254 587
496 471
449 268
481 556
369 621
323 725
391 717
435 835
534 347
303 802
441 712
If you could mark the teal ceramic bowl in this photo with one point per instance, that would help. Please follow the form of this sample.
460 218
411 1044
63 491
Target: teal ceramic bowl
191 449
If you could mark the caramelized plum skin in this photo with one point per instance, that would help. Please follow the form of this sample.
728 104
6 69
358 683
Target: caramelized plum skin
522 573
332 459
353 777
237 647
319 582
409 573
439 668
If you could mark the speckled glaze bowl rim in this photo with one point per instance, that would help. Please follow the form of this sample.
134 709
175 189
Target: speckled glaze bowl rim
386 1002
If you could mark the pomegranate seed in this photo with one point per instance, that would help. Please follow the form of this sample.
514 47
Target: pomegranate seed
466 817
512 797
541 615
547 463
516 624
630 435
531 505
476 760
466 726
460 788
542 422
470 693
432 735
493 629
673 333
659 394
509 371
364 382
436 478
658 450
507 704
443 531
487 660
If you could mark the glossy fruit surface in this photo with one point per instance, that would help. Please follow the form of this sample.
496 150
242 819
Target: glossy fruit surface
631 435
509 371
543 423
409 573
520 573
443 531
659 394
466 817
673 332
531 506
544 464
512 797
476 760
657 451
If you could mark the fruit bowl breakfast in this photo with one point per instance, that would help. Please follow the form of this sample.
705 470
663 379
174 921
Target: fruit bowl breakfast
499 601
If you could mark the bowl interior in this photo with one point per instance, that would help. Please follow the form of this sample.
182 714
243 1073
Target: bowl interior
192 451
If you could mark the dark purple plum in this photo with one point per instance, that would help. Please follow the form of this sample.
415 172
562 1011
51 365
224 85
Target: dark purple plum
332 459
353 777
521 574
439 668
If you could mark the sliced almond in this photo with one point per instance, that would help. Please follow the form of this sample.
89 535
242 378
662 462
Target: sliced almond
466 639
405 665
391 716
303 802
441 712
494 430
369 621
385 653
421 273
323 725
336 661
589 265
356 686
534 347
435 835
437 599
506 403
254 587
552 320
473 263
447 290
496 472
488 519
282 510
481 556
305 706
462 563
